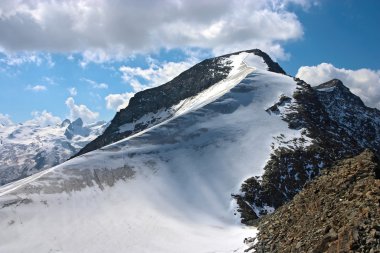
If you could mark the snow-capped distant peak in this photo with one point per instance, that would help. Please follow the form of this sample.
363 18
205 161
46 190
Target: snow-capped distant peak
28 148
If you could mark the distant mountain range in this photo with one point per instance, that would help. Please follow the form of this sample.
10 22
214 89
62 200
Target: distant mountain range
28 148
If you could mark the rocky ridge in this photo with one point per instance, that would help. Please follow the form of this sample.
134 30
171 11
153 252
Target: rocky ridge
337 124
337 212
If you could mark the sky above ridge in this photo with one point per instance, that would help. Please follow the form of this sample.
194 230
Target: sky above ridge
86 58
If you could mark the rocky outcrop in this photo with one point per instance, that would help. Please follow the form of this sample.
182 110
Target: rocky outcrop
337 212
151 101
347 109
76 128
339 125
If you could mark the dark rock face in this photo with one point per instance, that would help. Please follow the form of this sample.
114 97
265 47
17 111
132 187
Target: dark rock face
340 126
348 110
337 212
76 128
187 84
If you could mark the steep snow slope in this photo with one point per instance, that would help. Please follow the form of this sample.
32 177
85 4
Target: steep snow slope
153 106
166 189
29 148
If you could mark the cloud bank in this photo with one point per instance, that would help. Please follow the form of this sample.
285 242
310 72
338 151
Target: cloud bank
364 83
102 30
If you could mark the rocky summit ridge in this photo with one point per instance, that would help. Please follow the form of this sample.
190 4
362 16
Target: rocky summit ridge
336 124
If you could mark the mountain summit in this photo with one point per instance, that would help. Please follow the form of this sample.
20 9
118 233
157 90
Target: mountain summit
153 106
227 141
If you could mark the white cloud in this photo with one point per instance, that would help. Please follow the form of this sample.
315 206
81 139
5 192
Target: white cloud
362 82
118 101
36 88
73 91
157 73
5 120
104 30
18 59
80 111
94 84
43 119
13 58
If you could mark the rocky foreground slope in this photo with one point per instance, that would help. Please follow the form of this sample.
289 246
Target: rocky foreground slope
337 212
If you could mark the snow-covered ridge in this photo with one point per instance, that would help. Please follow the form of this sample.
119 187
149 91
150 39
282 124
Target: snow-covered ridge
242 64
166 189
153 106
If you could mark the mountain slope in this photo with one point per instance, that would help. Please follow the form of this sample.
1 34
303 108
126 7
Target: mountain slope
166 189
28 148
152 106
337 212
168 175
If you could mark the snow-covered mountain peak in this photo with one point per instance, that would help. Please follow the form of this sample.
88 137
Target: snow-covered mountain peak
245 59
167 188
167 174
65 123
76 128
195 87
77 123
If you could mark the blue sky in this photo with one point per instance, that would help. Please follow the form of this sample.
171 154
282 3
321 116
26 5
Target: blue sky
62 60
345 33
